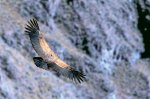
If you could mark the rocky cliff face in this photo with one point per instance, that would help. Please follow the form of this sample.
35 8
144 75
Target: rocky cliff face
99 37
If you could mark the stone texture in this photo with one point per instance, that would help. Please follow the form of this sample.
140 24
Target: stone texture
99 37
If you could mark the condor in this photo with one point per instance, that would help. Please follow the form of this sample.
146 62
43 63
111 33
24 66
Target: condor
47 59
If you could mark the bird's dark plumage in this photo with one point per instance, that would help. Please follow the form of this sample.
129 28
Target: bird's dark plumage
48 60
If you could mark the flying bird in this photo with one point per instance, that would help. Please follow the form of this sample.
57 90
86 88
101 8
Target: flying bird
47 59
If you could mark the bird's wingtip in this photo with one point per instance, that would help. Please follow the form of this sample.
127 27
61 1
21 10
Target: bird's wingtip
78 76
32 26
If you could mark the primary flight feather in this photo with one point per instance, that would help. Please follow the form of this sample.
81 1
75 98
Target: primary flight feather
48 60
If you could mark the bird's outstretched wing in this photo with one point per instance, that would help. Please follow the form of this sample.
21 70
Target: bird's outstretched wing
47 55
68 72
38 41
